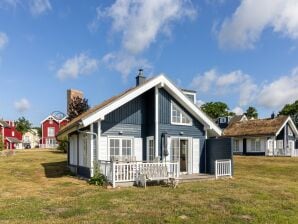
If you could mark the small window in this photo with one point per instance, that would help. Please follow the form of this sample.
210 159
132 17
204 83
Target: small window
51 121
12 133
178 116
151 149
236 145
51 132
222 120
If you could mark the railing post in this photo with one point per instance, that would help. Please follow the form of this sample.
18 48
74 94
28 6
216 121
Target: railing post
215 169
114 174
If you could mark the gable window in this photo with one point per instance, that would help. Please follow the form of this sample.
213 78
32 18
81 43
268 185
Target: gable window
120 148
290 133
236 145
51 132
178 116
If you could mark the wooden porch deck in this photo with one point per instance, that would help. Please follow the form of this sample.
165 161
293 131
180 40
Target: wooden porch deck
195 177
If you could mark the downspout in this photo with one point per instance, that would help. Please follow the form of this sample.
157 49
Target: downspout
78 144
205 146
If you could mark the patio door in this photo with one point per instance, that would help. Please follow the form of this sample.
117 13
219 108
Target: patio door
179 152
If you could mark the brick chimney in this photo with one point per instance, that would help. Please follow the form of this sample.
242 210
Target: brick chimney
71 93
140 79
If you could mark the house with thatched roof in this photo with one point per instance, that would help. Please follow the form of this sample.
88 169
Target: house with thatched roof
274 136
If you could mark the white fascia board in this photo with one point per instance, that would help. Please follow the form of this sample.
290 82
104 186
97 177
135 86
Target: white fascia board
121 101
182 99
50 116
162 81
293 126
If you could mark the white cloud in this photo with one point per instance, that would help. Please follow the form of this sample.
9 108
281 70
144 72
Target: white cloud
199 103
276 94
22 105
124 63
252 17
78 65
235 82
38 7
139 24
3 40
238 110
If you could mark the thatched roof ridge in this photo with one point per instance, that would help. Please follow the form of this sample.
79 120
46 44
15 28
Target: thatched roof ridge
257 127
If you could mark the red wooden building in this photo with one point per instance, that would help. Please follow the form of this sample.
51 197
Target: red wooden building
10 136
50 126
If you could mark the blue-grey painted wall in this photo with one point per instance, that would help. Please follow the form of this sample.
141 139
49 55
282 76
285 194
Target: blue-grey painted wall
165 126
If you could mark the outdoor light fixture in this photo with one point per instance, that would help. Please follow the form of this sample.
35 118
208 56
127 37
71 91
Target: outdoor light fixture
181 133
120 132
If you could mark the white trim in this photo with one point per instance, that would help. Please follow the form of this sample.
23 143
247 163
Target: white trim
150 138
293 126
98 138
156 120
50 116
120 144
170 87
181 112
190 93
91 148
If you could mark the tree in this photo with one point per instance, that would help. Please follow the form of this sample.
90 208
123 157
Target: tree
23 125
39 132
1 143
77 106
290 109
216 109
251 112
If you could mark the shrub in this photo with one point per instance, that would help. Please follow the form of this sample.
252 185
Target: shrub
98 178
63 145
1 143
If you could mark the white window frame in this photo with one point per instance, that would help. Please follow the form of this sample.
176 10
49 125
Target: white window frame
51 128
254 143
150 138
181 113
222 120
120 145
236 145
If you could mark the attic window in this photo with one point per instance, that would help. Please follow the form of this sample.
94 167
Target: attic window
222 120
178 116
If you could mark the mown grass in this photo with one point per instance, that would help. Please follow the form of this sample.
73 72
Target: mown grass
35 187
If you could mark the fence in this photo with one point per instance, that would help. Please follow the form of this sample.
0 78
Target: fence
223 168
130 171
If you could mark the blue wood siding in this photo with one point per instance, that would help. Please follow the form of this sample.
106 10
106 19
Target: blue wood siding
135 118
165 126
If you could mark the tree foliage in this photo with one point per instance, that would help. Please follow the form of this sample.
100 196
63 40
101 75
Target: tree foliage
1 143
251 112
23 125
290 109
77 106
216 109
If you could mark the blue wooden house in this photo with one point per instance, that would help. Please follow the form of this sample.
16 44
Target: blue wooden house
154 122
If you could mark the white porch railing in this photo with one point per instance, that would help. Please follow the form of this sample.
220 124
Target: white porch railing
295 153
223 168
119 172
282 152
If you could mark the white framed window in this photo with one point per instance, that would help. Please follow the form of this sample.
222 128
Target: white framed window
178 116
290 133
12 133
175 150
255 145
120 147
236 145
51 132
222 120
280 144
291 145
270 144
150 149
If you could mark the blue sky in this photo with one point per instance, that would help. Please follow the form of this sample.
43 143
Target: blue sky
240 52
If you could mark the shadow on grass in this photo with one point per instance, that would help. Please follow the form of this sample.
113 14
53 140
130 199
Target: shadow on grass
56 169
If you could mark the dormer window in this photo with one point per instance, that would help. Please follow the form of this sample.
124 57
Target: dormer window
178 116
222 120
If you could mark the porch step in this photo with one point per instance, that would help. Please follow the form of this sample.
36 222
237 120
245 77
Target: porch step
195 177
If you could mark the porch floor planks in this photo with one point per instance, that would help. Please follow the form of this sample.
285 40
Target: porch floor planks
195 177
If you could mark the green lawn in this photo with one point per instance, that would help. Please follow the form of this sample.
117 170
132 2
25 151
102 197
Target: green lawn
36 188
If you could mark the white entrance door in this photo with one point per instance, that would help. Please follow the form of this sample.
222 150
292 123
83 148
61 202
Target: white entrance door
180 151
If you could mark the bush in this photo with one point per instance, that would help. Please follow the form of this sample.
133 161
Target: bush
98 178
1 143
63 145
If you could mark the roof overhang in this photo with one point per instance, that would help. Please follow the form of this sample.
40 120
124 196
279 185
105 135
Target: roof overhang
159 81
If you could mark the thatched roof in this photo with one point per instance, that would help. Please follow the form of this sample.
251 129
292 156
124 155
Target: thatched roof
257 127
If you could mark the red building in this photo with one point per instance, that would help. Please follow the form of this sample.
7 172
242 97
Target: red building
10 136
50 127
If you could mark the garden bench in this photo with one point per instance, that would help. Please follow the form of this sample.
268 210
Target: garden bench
156 173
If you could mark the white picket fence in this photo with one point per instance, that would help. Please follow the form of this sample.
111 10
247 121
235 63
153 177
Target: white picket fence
295 153
223 168
119 172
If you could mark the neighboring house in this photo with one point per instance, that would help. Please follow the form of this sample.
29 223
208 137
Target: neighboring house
271 137
10 136
31 138
50 126
223 122
151 123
